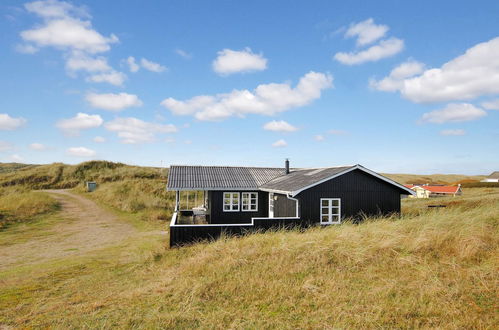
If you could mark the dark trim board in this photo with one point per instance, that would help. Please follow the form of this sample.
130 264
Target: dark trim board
182 235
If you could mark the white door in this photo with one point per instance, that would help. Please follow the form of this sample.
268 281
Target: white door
330 211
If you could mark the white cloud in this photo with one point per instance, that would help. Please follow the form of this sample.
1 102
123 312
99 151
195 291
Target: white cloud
99 139
132 130
80 61
266 99
114 78
337 132
453 132
319 138
81 152
113 102
5 146
68 28
233 61
395 80
383 49
16 158
151 66
132 65
8 123
38 146
26 49
81 121
279 144
491 105
279 126
466 77
183 53
366 32
454 112
170 140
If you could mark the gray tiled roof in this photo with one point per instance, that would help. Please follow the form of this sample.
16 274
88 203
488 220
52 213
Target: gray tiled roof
302 178
494 175
220 177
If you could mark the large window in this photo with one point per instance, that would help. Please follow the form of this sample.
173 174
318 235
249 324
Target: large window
231 201
249 201
330 210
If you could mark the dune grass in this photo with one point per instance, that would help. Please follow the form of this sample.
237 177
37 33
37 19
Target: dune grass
18 204
429 268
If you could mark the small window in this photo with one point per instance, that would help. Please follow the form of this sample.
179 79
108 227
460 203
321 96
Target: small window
231 202
249 202
330 210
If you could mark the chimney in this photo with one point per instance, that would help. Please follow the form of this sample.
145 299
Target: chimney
286 165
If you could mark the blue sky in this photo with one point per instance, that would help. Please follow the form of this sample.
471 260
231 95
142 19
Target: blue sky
406 87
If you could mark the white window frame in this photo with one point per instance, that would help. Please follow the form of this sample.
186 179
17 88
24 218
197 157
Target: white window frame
330 213
248 195
233 207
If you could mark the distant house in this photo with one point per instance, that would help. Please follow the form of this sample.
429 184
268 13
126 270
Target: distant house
494 177
215 199
427 191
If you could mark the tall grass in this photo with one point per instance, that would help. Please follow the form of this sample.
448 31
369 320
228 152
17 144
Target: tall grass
431 268
18 204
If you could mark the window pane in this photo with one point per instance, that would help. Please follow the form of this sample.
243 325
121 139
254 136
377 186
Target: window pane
245 207
226 201
336 218
324 218
325 202
226 207
335 202
325 210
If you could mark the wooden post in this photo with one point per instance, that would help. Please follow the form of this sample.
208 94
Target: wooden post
177 200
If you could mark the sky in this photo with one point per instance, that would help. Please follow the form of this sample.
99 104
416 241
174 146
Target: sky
396 86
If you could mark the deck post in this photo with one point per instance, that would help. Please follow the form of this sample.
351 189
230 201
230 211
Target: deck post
177 200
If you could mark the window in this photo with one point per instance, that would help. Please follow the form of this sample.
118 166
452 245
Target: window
330 210
249 201
231 201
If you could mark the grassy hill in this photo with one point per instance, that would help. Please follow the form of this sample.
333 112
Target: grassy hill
432 268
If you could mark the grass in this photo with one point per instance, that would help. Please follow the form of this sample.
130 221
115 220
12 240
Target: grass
20 205
430 268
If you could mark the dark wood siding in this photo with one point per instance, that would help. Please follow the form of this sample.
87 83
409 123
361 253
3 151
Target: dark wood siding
284 207
360 193
218 216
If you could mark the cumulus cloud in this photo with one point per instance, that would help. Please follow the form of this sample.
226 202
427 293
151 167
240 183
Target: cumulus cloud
81 152
466 77
383 49
279 126
80 61
113 102
38 146
319 138
454 112
5 146
266 99
8 123
366 32
395 80
279 144
453 132
491 105
183 53
99 139
26 49
68 28
231 61
152 66
81 121
114 78
132 65
132 130
16 158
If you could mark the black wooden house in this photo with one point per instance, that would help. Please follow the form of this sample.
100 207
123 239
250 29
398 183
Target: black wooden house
211 200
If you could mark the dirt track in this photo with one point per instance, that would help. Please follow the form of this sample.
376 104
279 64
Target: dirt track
85 227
